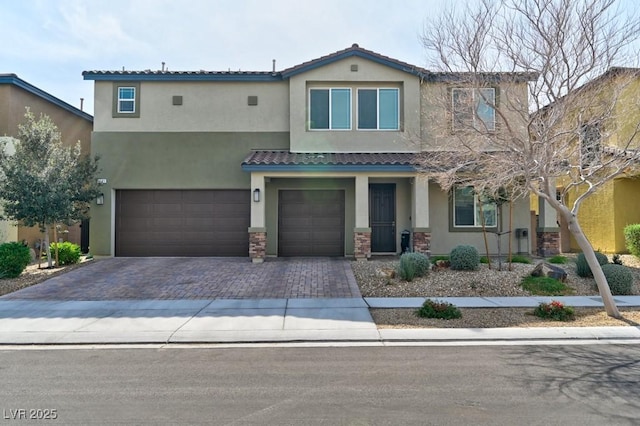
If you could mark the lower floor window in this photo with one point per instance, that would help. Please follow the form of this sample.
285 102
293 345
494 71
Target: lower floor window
468 209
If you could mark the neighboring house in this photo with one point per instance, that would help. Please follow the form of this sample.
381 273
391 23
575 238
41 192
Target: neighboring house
74 125
313 160
604 214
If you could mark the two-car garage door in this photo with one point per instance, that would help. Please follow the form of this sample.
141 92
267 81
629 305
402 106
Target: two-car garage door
182 222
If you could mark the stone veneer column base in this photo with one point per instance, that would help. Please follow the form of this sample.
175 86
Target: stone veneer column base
362 245
548 243
257 246
422 242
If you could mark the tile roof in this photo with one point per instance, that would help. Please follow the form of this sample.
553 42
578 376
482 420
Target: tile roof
333 160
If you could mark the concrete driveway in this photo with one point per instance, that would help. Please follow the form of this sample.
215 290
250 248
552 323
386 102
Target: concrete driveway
198 278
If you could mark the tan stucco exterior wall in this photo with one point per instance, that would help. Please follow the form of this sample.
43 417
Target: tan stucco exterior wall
368 74
206 107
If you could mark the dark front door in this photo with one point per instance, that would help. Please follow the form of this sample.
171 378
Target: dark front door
382 217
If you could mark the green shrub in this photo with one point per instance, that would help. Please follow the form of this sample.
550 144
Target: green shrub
582 267
484 260
632 238
441 310
413 265
68 253
516 258
545 286
555 310
14 258
619 277
464 258
558 259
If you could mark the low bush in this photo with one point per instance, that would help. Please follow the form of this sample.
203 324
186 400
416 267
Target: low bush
558 259
14 258
435 309
620 279
545 286
413 265
68 253
464 258
484 260
582 267
555 310
632 238
516 258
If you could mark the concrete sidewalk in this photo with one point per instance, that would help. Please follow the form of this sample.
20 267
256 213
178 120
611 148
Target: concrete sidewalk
265 320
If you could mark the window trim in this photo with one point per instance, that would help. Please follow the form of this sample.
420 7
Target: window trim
350 109
476 227
377 89
116 113
475 117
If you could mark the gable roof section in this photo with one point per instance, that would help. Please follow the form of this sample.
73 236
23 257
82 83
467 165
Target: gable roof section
20 83
354 51
328 162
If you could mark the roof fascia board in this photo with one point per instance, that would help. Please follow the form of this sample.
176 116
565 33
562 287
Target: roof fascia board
327 168
20 83
99 76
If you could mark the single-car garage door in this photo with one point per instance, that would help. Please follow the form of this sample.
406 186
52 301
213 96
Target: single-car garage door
311 223
182 222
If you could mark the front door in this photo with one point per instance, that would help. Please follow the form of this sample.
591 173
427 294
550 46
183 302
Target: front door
382 217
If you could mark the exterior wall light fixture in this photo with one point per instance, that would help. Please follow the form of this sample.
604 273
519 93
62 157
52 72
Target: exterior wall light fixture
256 195
100 199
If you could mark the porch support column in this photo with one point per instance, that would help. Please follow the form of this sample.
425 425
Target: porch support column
362 231
420 215
548 231
258 230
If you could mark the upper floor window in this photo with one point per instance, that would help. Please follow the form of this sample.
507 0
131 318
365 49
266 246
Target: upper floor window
330 109
126 100
469 209
474 108
590 137
378 109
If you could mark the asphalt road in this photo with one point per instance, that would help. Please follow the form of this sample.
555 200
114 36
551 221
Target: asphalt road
497 385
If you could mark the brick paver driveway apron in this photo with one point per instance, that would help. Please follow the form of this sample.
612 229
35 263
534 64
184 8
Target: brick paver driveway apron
198 278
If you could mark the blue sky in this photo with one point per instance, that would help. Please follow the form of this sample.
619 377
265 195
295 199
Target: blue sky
50 42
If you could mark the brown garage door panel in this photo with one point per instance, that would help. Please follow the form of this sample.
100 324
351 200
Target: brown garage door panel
182 222
311 223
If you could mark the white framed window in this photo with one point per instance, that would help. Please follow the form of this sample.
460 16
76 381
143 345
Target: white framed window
330 109
379 109
466 209
473 108
126 100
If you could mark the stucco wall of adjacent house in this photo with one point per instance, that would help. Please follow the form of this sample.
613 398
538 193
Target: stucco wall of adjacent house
626 114
369 74
597 219
626 205
442 240
162 160
206 107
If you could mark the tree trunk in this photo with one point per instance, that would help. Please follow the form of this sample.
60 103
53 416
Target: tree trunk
484 232
55 240
590 256
509 234
46 246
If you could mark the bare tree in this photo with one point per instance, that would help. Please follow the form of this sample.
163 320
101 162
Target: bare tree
566 132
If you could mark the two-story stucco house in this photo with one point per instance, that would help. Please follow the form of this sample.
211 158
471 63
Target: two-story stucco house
74 125
314 160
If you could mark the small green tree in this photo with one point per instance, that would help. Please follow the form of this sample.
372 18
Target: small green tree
45 183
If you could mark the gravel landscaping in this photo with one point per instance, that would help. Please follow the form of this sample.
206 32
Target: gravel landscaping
375 279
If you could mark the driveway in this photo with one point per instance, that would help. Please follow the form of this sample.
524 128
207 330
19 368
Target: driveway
198 278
